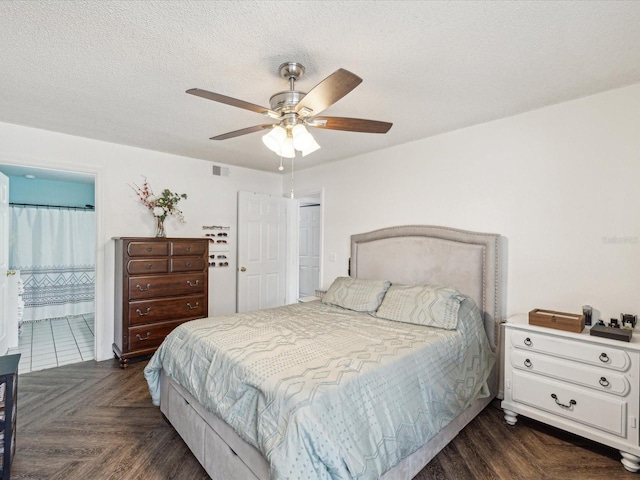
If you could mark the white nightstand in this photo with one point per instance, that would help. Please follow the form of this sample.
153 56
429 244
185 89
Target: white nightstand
582 384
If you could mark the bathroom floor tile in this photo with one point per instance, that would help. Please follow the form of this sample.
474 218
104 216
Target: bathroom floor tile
54 342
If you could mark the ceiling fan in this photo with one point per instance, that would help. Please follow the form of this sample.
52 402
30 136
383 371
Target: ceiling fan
295 110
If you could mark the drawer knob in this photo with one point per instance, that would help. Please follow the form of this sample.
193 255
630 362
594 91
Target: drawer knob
188 264
604 382
191 307
604 357
191 284
572 402
527 363
139 312
528 342
145 289
149 249
145 338
189 248
149 266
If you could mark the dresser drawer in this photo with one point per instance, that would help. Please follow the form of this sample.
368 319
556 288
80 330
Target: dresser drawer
150 336
148 265
153 311
188 248
602 380
603 412
601 355
148 249
188 264
166 286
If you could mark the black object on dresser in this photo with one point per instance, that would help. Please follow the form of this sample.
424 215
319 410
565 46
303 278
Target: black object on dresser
160 283
8 411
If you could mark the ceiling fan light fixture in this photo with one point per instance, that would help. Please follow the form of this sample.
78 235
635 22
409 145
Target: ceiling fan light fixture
302 139
275 139
310 148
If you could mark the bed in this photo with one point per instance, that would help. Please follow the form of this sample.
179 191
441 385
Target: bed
307 433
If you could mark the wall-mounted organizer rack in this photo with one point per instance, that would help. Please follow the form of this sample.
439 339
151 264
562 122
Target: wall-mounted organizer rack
219 244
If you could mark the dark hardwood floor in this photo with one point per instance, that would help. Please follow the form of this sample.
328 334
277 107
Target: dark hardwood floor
95 421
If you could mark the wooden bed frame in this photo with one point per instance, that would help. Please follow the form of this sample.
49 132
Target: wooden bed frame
414 254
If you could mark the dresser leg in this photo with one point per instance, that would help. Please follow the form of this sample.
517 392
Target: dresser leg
631 462
124 362
510 417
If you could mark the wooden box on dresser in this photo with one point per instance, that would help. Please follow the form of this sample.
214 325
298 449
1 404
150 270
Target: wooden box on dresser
576 382
160 283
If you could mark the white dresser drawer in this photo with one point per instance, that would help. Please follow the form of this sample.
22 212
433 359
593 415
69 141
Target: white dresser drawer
601 355
602 380
603 412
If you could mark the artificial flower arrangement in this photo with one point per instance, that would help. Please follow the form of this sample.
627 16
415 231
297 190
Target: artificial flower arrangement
161 206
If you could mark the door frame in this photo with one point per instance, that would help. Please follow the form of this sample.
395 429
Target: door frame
316 193
99 249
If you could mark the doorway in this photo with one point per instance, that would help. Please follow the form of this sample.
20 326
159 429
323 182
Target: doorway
310 239
53 231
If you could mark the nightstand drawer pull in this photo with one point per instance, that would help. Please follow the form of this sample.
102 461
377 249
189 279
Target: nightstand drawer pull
145 338
193 308
604 382
139 287
527 363
139 312
149 249
604 357
191 284
571 402
528 342
149 266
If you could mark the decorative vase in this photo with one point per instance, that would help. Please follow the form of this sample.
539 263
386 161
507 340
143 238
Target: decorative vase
160 231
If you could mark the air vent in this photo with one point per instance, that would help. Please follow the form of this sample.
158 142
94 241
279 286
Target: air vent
220 171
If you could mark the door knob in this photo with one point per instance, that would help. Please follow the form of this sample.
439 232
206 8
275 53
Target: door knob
243 269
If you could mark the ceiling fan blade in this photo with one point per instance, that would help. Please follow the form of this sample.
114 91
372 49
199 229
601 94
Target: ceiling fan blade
234 102
327 92
350 124
243 131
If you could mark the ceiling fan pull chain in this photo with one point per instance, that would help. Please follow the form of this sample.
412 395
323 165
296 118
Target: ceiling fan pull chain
292 160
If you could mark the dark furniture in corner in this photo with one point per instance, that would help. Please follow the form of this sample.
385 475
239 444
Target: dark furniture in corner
8 411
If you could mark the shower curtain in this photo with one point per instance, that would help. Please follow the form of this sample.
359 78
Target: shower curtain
54 250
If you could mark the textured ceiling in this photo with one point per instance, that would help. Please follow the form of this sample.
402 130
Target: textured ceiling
118 70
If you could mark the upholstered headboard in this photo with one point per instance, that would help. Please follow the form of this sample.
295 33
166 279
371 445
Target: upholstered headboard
422 254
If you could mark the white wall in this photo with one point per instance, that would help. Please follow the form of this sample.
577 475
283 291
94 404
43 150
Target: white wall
211 200
561 183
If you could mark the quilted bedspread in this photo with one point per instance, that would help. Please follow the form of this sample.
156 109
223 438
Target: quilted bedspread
325 392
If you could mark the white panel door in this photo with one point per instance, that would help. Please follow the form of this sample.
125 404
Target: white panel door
262 249
309 250
4 260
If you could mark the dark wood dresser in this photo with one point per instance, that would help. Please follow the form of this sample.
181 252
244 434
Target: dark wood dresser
160 283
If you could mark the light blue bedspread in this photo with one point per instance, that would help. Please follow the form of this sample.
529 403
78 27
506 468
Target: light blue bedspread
324 392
